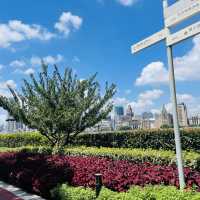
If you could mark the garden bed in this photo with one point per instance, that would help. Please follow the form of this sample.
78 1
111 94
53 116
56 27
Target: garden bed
40 173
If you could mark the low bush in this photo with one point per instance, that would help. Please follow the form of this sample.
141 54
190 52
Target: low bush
65 192
22 139
34 172
155 139
152 138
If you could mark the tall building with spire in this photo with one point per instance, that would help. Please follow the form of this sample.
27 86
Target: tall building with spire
129 112
164 118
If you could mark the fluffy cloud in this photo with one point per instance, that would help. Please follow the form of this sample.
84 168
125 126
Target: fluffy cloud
16 31
144 101
35 60
153 73
187 68
17 63
29 71
127 2
68 22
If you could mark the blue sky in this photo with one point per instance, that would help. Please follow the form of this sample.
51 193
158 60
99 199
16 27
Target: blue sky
95 36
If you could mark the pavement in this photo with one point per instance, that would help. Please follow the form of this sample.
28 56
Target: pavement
9 192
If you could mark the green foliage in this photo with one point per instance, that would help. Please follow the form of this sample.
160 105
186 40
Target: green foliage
152 138
166 126
65 192
23 139
59 107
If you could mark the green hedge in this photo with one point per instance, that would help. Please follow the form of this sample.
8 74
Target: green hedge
155 139
22 139
65 192
159 157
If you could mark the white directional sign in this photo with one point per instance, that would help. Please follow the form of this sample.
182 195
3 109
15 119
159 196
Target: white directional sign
185 33
157 37
180 11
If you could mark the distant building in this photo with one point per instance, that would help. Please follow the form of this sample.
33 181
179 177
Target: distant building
13 125
164 118
194 121
147 123
147 115
119 111
182 115
129 112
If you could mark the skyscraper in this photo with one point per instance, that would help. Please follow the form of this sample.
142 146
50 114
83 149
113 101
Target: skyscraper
182 115
119 111
129 112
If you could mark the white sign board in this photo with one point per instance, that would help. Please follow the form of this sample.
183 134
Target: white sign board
180 11
185 33
157 37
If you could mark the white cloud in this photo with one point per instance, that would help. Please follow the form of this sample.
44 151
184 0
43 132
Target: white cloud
17 63
35 60
153 73
127 2
16 31
144 101
68 22
29 71
187 68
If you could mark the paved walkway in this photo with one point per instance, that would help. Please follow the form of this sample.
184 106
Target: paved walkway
9 192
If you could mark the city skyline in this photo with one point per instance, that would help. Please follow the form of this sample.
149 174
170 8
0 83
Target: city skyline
66 33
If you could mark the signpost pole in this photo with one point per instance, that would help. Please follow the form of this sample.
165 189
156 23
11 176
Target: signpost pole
175 113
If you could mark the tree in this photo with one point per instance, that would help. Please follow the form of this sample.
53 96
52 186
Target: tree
59 107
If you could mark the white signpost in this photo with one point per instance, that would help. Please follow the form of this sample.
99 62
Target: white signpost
173 15
180 11
157 37
185 33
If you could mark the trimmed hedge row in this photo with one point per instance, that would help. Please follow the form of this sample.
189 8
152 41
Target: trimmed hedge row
155 139
159 157
22 139
65 192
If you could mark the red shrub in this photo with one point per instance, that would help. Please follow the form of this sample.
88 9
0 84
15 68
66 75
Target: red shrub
40 173
120 175
34 172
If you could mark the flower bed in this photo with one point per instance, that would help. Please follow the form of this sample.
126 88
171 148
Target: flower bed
34 172
40 173
120 175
